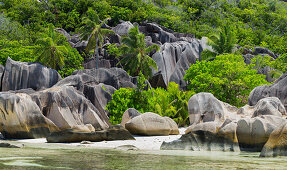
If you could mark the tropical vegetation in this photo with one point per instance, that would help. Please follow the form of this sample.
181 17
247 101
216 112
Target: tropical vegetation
232 27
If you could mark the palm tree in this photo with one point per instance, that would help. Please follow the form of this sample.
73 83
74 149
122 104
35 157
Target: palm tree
49 52
224 41
134 50
93 31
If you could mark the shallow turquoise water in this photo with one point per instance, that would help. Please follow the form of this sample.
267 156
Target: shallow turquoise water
81 157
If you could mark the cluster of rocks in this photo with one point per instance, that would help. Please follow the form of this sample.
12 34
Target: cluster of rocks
177 51
218 126
36 102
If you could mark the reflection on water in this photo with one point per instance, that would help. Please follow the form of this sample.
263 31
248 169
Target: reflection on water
50 157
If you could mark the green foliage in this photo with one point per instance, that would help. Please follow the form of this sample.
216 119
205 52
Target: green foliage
261 62
224 41
16 51
134 52
172 102
281 63
93 31
50 52
227 77
73 61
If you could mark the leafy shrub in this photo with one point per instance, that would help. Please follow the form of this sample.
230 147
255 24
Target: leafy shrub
227 77
172 102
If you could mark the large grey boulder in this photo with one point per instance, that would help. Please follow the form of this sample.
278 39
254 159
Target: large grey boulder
20 117
98 93
115 77
253 133
204 107
277 89
78 81
122 29
151 124
173 59
204 137
269 106
22 75
66 107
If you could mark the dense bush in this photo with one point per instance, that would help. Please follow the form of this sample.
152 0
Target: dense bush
171 102
227 77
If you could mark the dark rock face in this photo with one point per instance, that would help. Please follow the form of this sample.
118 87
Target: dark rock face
21 118
172 61
277 89
115 77
66 108
116 132
205 140
21 75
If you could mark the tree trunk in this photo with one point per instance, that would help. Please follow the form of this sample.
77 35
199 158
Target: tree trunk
97 54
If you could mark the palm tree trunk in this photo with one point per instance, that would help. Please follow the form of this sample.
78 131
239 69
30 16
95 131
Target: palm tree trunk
97 54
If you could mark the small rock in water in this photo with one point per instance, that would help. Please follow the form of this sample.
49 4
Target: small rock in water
86 142
127 148
8 145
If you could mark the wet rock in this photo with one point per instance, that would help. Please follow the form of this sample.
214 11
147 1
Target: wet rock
127 148
8 145
86 142
206 139
22 75
149 124
116 132
276 144
21 118
253 133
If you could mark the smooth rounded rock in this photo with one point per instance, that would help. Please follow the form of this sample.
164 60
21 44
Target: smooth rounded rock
149 124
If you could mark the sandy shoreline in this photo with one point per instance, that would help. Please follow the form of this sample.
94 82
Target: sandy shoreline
141 142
